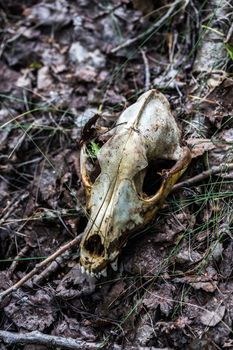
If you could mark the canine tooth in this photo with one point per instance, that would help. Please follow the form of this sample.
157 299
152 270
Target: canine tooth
82 269
104 272
114 265
92 274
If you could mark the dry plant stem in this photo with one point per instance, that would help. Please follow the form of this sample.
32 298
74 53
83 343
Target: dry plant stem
106 12
20 255
229 35
39 266
12 206
223 168
149 30
47 340
52 268
147 70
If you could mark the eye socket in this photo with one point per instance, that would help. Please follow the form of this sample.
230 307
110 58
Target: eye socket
94 246
153 179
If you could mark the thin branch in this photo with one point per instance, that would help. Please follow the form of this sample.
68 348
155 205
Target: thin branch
149 30
52 268
39 266
47 340
147 70
16 261
52 341
229 34
11 207
223 168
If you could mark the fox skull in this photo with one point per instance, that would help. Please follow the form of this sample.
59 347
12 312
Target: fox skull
145 131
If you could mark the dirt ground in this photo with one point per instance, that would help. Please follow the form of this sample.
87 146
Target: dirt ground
62 62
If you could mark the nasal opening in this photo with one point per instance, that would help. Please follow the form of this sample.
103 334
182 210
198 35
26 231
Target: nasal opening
94 246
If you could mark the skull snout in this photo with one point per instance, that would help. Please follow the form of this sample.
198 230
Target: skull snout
94 246
92 254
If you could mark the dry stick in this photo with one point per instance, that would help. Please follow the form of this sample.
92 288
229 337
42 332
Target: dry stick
149 30
229 34
53 341
52 268
204 175
12 206
147 70
47 340
20 255
39 266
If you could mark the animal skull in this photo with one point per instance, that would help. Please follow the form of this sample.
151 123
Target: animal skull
117 205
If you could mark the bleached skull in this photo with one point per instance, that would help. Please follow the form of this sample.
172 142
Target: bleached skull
146 132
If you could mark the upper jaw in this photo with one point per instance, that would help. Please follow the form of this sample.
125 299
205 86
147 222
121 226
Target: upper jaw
98 270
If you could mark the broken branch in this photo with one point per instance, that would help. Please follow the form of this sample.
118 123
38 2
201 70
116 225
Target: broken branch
52 341
39 266
36 337
223 168
147 71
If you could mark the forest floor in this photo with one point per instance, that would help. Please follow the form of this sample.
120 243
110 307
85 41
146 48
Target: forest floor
61 63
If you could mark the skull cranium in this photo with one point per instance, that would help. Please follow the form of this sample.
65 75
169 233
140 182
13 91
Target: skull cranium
145 132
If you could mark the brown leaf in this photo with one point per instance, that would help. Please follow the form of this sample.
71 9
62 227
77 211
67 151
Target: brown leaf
75 284
87 74
207 281
31 312
218 104
145 6
211 318
161 297
199 146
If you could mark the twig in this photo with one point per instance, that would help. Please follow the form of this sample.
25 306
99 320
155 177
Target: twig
105 12
53 341
149 30
52 268
39 266
147 70
229 34
204 175
12 206
47 340
20 255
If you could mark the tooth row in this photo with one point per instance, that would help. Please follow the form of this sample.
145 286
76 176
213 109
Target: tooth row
104 272
114 266
92 274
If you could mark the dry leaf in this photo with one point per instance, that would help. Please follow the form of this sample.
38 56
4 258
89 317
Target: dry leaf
211 318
